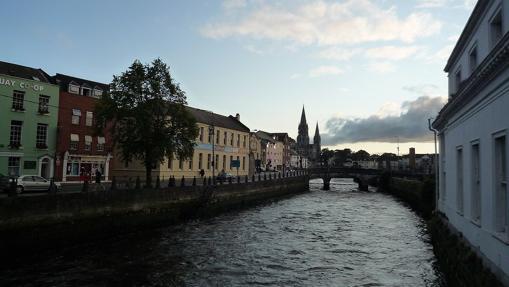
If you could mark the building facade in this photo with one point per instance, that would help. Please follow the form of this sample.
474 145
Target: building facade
28 121
303 147
255 153
285 139
79 151
221 141
473 133
268 146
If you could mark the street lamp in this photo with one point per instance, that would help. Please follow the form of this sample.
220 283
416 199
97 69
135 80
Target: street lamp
213 133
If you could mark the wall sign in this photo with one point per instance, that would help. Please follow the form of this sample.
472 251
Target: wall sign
21 84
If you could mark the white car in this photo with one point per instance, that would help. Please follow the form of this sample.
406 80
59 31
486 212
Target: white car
34 183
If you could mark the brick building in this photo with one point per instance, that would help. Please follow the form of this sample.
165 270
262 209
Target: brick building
79 150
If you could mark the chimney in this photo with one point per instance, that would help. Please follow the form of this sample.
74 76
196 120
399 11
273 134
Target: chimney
237 116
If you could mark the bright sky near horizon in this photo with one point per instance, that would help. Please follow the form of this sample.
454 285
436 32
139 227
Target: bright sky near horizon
370 72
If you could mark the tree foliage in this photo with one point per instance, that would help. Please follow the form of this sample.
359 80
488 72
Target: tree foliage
149 121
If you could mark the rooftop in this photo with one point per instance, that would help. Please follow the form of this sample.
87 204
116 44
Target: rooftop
210 118
24 72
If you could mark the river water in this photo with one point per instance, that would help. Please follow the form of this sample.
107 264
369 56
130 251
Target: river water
340 237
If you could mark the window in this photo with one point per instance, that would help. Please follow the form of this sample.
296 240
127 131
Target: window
224 162
170 162
442 179
200 161
473 59
191 163
476 183
216 162
201 134
243 163
225 138
500 174
42 134
18 99
74 89
496 28
181 164
88 143
89 119
15 140
459 180
457 79
86 91
100 143
208 161
238 140
211 134
43 104
231 159
75 140
76 115
217 137
98 93
231 140
13 166
244 142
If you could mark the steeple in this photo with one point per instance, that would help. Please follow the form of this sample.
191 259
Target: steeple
303 116
317 132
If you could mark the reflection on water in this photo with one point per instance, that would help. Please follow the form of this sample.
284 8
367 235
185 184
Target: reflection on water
340 237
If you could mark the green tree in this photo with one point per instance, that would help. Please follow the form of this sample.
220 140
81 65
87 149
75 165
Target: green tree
146 114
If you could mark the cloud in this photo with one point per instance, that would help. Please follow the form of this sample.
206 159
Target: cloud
442 54
325 71
392 53
324 23
411 125
431 3
382 67
338 54
234 4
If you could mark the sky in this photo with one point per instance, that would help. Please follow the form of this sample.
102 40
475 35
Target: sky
369 72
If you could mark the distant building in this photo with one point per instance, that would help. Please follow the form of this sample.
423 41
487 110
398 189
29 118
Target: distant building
268 145
79 150
231 143
473 132
287 142
255 153
303 147
28 121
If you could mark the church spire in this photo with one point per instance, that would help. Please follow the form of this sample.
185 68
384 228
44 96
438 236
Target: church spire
317 132
303 116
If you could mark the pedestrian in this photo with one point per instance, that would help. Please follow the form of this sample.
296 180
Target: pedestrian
98 176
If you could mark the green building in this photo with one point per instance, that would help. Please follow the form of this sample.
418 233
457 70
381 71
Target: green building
28 121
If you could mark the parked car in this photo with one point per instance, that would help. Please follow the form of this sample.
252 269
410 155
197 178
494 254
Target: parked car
224 176
34 183
4 182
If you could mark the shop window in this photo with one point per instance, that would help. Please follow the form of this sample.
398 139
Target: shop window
18 99
73 169
15 135
76 115
41 137
13 166
43 104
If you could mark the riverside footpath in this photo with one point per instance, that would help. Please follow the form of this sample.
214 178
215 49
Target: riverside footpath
55 220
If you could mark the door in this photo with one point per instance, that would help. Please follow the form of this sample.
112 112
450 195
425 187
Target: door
45 168
41 183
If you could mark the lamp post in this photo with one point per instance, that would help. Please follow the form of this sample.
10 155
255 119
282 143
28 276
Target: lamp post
213 132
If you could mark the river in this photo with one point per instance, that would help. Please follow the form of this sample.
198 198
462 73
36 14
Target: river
340 237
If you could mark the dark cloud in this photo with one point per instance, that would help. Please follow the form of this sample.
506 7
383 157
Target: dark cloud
410 126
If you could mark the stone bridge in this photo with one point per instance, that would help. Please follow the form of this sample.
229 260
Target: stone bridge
360 175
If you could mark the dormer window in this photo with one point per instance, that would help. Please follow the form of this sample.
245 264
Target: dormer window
86 91
98 92
473 59
496 31
74 88
457 79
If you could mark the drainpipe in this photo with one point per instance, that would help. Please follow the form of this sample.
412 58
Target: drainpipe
435 163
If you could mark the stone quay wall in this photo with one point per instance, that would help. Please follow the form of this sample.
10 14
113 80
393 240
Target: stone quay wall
29 223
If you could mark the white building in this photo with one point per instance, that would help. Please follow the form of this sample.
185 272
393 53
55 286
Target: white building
473 132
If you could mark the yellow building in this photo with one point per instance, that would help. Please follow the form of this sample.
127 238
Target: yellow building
228 142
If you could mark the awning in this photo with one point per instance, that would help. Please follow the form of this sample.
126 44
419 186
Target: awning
75 138
76 112
88 139
101 140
